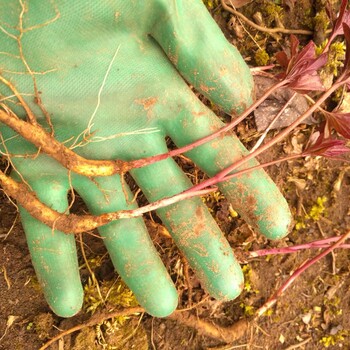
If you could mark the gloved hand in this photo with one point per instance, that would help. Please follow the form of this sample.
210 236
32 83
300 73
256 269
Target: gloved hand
113 71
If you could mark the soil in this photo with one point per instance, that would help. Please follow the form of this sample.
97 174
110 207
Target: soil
314 312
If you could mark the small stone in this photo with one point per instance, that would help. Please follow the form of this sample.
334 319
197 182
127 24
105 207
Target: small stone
306 318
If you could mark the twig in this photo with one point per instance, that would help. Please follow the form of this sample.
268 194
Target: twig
152 335
227 334
93 321
10 320
246 30
11 228
296 346
7 280
324 243
187 279
264 29
229 347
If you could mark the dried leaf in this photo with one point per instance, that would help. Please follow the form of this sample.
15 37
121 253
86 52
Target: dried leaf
266 112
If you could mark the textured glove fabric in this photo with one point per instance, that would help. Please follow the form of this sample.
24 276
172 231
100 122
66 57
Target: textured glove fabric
112 75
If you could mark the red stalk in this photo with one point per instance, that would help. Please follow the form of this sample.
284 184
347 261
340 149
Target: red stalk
220 176
323 243
298 272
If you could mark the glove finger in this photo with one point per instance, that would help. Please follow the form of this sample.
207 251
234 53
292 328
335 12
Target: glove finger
53 253
253 195
193 229
203 56
129 245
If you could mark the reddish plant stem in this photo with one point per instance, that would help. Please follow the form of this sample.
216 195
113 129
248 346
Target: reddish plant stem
324 243
77 224
272 162
220 176
260 166
298 272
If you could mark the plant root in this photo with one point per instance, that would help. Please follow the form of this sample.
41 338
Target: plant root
71 223
224 334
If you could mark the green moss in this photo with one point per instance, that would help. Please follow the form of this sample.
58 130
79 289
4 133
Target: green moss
116 293
331 340
247 272
316 212
268 312
308 19
333 305
211 4
271 11
321 21
336 58
247 309
300 224
318 209
261 57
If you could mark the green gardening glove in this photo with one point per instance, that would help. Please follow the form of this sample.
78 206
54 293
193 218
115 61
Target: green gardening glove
112 75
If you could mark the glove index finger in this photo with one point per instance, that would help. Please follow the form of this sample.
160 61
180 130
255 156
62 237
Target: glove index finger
196 46
253 195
